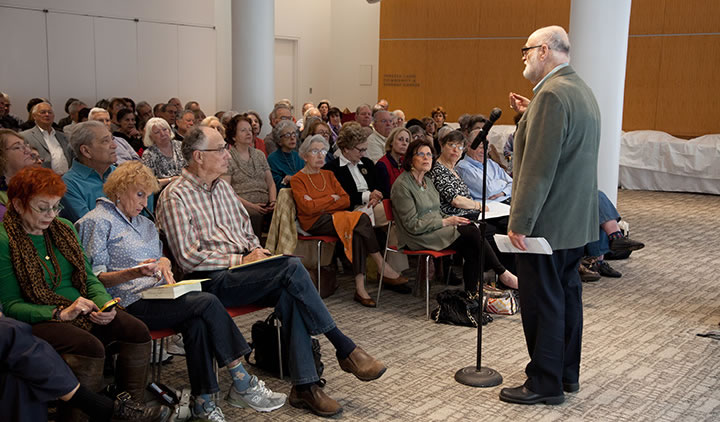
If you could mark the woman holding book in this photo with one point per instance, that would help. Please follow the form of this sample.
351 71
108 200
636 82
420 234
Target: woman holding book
48 283
125 251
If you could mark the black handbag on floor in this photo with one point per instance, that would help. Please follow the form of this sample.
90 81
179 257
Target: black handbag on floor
456 307
265 344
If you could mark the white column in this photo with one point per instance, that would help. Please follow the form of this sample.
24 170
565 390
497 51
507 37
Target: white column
598 39
253 57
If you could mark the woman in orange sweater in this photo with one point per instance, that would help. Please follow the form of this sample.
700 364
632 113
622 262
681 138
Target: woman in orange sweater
321 203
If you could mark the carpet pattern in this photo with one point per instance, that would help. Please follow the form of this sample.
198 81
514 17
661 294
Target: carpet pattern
642 360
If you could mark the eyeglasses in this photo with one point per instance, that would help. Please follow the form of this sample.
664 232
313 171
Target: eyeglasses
318 151
526 49
54 209
323 133
225 147
19 147
361 150
288 135
423 154
285 117
459 147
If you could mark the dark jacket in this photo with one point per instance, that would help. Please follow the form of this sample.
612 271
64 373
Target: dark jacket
342 174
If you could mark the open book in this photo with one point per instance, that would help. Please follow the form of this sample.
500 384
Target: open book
173 291
536 245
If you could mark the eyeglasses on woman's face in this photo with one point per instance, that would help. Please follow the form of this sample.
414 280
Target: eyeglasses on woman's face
289 135
423 154
54 210
316 151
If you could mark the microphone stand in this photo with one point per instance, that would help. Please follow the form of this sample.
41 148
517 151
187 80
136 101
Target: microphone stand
478 375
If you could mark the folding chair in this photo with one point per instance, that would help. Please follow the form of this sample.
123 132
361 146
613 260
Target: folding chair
426 253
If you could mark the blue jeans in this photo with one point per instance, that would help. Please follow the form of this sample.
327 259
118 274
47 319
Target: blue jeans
285 284
607 212
207 329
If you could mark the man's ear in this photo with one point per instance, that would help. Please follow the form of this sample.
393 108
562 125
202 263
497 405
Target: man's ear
85 152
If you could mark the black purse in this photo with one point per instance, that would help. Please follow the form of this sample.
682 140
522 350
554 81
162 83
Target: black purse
456 307
265 345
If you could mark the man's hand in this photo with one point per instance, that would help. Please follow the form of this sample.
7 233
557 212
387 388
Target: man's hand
518 240
256 255
518 102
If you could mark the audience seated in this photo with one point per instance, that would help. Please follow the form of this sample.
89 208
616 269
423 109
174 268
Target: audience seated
335 123
213 122
284 161
206 246
163 154
7 120
422 225
611 238
95 155
383 103
128 130
15 155
382 125
249 173
305 108
118 239
144 113
318 127
438 116
389 167
281 112
257 123
353 170
498 182
324 108
398 118
185 120
321 209
33 374
73 108
52 145
124 151
363 115
48 283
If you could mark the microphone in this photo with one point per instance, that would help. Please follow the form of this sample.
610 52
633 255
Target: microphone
494 115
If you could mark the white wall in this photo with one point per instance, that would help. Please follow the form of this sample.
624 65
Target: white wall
173 50
93 49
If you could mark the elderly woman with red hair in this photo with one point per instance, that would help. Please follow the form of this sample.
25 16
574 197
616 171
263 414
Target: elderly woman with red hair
48 283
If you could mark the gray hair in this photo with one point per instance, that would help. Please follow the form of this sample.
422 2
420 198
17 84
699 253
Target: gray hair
280 127
94 111
194 140
180 114
227 116
278 106
83 134
379 112
75 106
555 37
142 104
35 107
307 143
151 123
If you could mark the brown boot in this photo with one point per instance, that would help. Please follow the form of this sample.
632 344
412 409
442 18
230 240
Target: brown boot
89 372
128 409
131 368
362 365
315 400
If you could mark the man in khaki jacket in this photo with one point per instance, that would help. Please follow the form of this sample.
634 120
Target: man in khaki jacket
555 197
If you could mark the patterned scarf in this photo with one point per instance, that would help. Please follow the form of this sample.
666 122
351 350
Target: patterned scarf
29 272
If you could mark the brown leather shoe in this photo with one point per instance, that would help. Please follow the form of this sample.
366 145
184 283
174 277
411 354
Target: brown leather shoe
315 400
393 281
364 302
362 365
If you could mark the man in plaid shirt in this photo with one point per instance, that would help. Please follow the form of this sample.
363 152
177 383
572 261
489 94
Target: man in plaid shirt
208 230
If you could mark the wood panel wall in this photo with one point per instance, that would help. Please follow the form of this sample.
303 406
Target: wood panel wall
465 56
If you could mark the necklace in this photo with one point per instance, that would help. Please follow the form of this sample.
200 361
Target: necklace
313 184
54 276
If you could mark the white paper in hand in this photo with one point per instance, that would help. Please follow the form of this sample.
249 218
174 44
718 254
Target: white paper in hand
536 245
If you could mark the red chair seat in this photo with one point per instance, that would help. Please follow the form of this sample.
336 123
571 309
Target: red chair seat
242 310
158 334
434 254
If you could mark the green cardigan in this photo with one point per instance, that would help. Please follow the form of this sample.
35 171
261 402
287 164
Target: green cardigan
555 164
417 215
11 297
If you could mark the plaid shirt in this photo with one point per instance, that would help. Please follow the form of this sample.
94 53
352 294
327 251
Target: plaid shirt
207 227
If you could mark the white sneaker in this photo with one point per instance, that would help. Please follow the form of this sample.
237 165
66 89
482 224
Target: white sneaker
164 359
176 345
257 397
213 415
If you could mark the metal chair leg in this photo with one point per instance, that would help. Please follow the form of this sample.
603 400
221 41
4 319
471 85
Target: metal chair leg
153 367
382 270
319 247
216 395
427 286
278 324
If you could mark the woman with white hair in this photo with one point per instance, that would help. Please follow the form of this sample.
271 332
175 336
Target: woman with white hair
321 209
163 154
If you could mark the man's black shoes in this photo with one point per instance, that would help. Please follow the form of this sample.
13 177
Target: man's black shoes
521 395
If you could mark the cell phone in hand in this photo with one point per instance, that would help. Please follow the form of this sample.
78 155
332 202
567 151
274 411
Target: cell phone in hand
110 305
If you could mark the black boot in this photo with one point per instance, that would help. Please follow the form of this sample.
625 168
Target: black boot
131 368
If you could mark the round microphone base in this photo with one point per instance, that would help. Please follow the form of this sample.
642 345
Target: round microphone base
485 377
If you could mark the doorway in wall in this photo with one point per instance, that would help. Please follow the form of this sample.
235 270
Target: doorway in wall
286 53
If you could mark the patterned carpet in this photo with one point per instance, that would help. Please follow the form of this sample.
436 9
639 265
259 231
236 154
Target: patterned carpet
642 360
